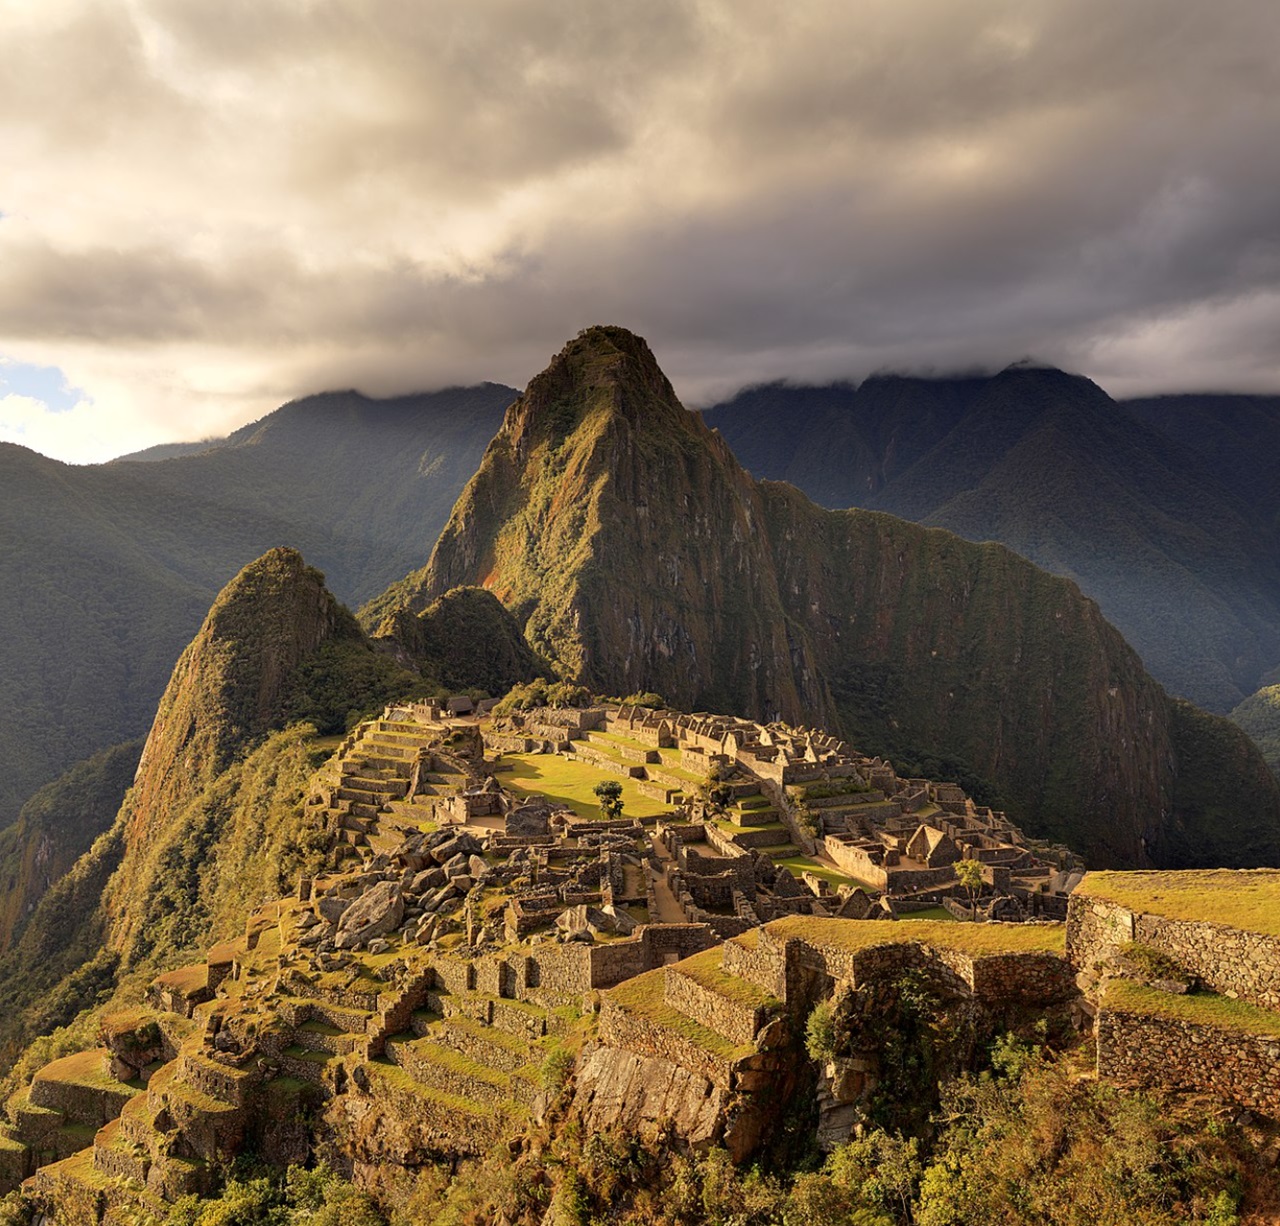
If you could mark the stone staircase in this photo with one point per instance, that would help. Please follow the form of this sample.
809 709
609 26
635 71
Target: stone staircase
376 767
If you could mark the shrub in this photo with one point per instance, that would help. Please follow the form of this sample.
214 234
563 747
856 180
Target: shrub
820 1032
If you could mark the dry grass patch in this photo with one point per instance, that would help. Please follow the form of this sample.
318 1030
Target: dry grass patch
1196 1008
706 970
1240 898
978 940
643 996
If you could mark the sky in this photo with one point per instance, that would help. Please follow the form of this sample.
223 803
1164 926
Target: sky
207 210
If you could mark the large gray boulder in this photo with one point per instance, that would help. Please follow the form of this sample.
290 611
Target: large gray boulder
375 913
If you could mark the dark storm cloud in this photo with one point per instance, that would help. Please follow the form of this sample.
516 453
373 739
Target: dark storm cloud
259 199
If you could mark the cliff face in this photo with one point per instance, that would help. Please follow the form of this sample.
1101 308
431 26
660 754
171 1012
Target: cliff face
638 554
1162 511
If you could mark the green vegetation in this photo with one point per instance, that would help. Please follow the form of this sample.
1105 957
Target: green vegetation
1249 899
820 1032
542 693
1028 1141
609 792
108 570
969 875
1036 1143
571 783
1149 511
1197 1008
1259 716
1152 962
256 1195
56 826
466 642
976 939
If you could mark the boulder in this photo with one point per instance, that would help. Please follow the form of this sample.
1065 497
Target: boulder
429 879
376 913
462 845
331 908
478 866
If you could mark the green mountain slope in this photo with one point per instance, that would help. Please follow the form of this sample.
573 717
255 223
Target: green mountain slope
1259 716
56 826
106 571
638 554
214 822
1173 548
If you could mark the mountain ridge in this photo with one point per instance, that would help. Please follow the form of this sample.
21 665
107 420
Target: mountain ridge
1173 548
639 554
109 569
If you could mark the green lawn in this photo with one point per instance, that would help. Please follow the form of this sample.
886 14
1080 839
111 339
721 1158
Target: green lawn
933 913
806 864
570 783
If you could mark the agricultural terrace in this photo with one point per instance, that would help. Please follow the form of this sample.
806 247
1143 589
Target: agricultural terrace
1247 899
974 939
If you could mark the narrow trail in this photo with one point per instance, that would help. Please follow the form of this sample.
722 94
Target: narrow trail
669 911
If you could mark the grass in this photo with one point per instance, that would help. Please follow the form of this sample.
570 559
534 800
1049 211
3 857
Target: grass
80 1168
671 765
799 863
644 995
1198 1008
571 784
1248 899
186 979
933 913
706 971
394 1075
975 939
490 1034
86 1068
431 1052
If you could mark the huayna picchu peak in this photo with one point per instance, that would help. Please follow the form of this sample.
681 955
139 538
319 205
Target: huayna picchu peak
636 553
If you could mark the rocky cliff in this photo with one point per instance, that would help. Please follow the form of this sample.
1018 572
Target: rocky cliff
638 554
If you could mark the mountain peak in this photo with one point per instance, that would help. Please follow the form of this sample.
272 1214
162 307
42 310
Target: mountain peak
605 371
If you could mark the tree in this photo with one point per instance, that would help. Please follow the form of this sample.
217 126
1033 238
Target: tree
610 793
969 875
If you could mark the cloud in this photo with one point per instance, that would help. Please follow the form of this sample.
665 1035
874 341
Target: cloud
216 209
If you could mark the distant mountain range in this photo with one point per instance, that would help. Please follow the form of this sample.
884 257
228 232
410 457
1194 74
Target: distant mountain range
107 571
1164 510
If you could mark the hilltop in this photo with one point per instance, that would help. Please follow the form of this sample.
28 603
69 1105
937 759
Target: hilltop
469 1002
637 554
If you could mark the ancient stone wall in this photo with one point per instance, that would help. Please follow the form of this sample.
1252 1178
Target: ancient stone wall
1141 1050
738 1022
856 862
1228 960
618 1028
